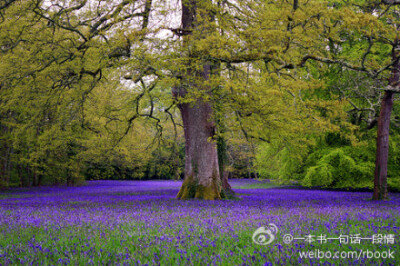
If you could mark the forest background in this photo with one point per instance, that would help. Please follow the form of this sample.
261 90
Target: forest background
87 89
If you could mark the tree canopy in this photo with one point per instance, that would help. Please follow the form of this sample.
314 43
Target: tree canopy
288 90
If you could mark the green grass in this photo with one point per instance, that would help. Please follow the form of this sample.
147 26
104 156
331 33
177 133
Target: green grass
100 245
261 185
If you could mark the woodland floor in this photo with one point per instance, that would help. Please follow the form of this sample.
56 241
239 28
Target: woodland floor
141 223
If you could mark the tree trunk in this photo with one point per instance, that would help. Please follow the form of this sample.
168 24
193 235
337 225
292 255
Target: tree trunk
222 152
225 184
382 148
20 176
35 178
202 179
382 143
221 149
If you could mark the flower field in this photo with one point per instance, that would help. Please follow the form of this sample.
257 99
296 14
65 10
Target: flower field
141 223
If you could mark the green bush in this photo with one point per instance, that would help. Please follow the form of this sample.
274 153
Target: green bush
337 169
281 163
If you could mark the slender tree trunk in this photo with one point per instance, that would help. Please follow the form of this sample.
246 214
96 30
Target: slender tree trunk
20 176
6 165
10 165
249 170
225 184
221 149
382 148
382 143
202 179
29 176
35 178
2 175
39 180
177 172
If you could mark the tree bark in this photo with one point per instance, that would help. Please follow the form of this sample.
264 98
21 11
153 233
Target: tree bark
382 148
202 178
382 143
225 184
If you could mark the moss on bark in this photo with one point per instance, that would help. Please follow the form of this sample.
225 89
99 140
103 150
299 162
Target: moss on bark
192 189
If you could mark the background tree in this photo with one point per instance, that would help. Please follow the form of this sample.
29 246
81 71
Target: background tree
289 87
53 56
377 56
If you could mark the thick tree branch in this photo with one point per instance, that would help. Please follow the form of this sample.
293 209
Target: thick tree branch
73 8
6 4
364 57
95 29
395 89
391 2
146 14
54 22
114 22
333 61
